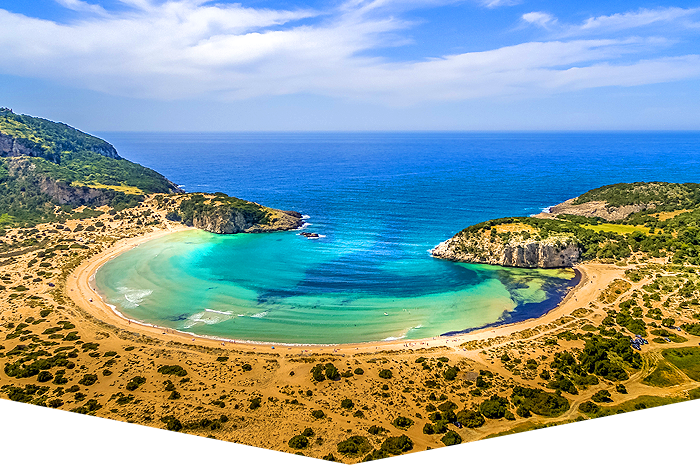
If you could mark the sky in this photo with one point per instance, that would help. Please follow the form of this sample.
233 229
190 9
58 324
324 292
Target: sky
353 65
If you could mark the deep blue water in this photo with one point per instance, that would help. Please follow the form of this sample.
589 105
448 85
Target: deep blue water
381 200
406 186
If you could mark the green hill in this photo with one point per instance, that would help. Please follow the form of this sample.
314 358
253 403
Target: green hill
45 165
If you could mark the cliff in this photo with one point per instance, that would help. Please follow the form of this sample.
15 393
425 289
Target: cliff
219 213
513 250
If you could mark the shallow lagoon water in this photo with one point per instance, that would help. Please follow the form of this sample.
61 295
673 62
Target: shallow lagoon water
283 288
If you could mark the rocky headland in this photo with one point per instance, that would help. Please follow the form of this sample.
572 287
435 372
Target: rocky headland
511 250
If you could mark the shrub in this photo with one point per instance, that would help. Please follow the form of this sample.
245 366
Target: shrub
44 376
451 438
354 446
347 404
539 402
318 414
377 457
619 388
297 458
88 379
374 429
330 457
470 419
402 422
174 395
255 403
358 371
428 429
171 423
246 367
332 372
447 406
298 442
602 396
588 407
386 374
494 408
172 370
308 432
450 372
242 456
55 403
397 445
135 383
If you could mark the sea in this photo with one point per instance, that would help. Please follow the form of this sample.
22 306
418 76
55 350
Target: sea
380 202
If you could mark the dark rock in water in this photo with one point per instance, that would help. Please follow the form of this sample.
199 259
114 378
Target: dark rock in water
310 234
294 214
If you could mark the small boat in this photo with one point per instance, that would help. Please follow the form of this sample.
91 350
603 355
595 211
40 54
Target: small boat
386 314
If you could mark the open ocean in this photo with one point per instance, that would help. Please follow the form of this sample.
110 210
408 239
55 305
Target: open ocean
381 201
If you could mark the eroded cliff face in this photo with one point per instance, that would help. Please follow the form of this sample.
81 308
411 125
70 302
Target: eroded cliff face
11 147
63 193
231 221
553 252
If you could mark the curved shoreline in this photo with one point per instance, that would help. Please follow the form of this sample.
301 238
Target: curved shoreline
82 293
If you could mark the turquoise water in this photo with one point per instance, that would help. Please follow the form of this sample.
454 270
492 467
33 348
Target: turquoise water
275 287
381 201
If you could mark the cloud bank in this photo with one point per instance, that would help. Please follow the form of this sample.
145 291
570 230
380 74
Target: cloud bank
184 49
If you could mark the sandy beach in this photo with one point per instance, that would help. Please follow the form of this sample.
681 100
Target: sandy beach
80 289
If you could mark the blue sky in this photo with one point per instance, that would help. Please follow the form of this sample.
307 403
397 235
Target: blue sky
194 65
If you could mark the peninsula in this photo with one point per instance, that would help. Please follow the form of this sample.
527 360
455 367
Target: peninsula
625 338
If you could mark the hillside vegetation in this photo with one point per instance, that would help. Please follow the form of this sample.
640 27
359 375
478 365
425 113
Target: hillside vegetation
47 169
665 223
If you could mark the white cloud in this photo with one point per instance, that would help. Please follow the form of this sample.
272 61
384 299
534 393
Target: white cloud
186 49
500 3
79 5
639 18
539 18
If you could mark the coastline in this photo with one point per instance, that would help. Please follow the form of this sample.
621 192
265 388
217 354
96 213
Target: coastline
84 295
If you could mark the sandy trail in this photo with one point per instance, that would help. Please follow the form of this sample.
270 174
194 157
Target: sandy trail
594 277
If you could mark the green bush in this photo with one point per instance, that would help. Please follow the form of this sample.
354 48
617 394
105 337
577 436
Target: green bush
397 445
602 396
359 371
451 438
470 419
588 407
318 414
44 376
172 370
354 446
346 403
539 402
619 388
171 423
246 367
386 374
135 383
374 429
402 422
299 442
255 403
88 379
494 408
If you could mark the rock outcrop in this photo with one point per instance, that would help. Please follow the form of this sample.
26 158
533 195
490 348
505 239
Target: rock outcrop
594 209
552 252
226 221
